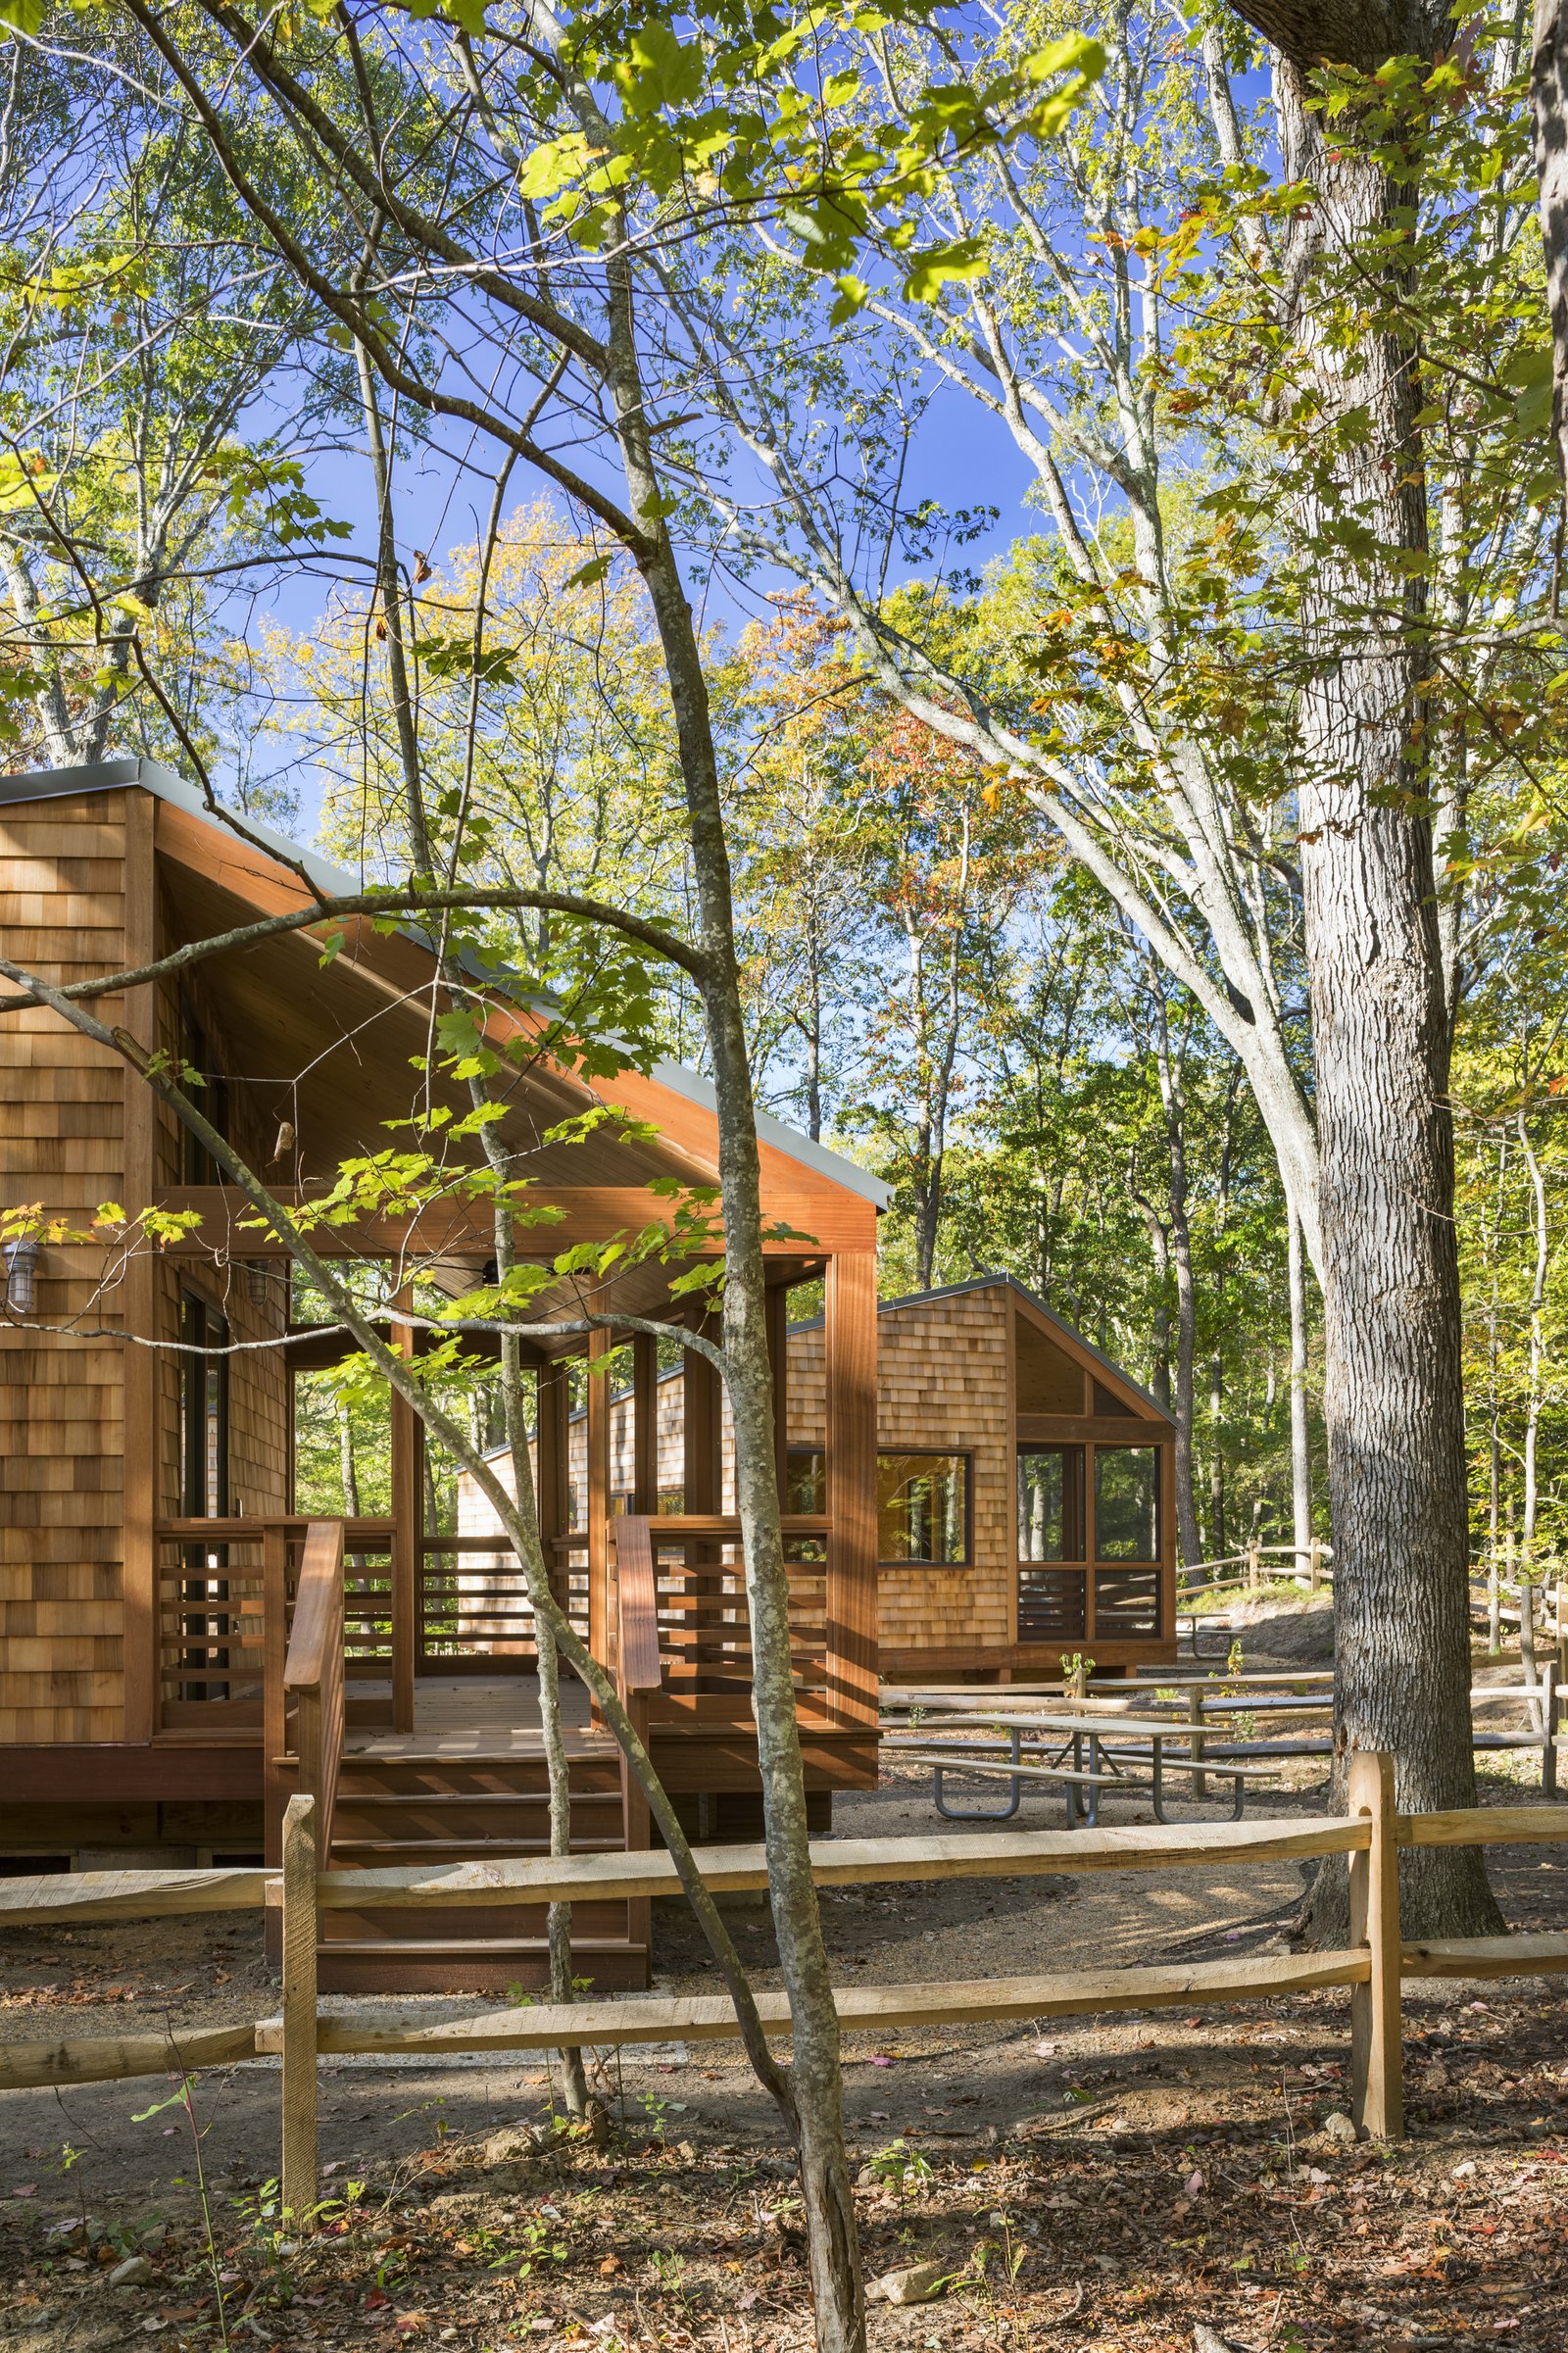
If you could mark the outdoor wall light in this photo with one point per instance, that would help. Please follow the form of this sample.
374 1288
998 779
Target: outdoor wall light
256 1281
21 1275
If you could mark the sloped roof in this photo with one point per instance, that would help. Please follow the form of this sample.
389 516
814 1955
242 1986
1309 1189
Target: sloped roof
1031 1299
115 776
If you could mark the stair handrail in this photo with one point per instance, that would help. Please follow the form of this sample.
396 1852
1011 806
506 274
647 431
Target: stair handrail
638 1664
314 1670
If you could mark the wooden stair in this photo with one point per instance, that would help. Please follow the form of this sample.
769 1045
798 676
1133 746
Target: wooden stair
431 1808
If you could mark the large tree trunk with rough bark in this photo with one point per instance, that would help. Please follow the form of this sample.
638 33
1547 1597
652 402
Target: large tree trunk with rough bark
1393 1392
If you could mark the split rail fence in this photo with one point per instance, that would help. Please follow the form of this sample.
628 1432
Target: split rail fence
1371 1835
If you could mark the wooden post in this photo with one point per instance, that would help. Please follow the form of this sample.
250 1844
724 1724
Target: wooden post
1549 1730
275 1651
139 1298
300 2170
1314 1571
778 1360
1376 2052
600 1342
1254 1564
849 1336
408 1523
1526 1630
1195 1717
645 1424
702 1430
549 1477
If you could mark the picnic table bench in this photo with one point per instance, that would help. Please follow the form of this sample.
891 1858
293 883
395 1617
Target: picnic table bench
1113 1745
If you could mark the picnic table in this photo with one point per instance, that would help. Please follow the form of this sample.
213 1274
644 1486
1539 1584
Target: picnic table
1115 1746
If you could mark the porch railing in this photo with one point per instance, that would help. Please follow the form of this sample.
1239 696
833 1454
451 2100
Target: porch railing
688 1608
473 1616
227 1594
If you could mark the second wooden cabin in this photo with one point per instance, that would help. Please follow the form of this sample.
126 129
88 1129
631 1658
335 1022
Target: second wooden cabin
1025 1486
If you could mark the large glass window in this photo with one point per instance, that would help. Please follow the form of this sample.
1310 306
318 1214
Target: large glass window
1050 1503
1126 1502
923 1508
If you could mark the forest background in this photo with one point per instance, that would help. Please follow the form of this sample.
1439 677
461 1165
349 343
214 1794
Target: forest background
939 982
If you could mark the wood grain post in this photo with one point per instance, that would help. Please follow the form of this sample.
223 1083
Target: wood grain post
299 2169
645 1424
1549 1729
601 1341
850 1335
1377 2060
407 1526
1195 1717
778 1364
139 1296
550 1478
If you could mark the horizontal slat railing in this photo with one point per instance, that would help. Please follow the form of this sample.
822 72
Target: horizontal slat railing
224 1606
703 1620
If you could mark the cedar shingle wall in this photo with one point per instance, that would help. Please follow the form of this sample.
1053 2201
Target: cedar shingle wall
942 1386
61 909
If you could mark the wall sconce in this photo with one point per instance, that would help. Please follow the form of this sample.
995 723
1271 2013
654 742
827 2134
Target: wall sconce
21 1275
256 1281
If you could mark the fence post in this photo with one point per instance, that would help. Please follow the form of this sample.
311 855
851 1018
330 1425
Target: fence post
1377 2060
1314 1571
1548 1732
1527 1629
299 2170
1195 1717
1255 1565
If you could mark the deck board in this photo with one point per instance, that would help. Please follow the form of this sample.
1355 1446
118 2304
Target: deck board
471 1716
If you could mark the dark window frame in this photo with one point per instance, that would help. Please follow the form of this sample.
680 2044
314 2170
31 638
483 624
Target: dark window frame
1077 1452
963 1455
1154 1446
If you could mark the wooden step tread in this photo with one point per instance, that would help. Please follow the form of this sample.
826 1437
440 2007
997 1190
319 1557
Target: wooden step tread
464 1850
471 1948
477 1797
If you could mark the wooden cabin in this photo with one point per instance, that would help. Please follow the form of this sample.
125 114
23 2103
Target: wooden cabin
1025 1486
1026 1489
181 1648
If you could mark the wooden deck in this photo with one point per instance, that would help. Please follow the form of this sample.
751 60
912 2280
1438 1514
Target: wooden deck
471 1715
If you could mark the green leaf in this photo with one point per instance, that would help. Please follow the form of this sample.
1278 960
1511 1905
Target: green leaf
966 258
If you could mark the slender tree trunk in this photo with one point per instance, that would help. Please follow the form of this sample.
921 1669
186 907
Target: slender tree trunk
1537 1308
1392 1394
558 1769
814 2103
1549 101
1300 1426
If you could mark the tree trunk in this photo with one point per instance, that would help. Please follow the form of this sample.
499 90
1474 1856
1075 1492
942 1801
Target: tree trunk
1300 1427
1537 1307
1549 101
1392 1394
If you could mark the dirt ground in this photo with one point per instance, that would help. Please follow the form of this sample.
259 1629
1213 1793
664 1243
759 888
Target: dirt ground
1085 2185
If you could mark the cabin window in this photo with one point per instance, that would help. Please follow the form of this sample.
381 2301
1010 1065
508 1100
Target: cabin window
671 1502
923 1509
573 1506
805 1481
204 1413
1050 1503
1108 1406
1126 1502
211 1099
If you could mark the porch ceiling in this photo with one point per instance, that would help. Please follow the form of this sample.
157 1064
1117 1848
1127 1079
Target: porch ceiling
328 1047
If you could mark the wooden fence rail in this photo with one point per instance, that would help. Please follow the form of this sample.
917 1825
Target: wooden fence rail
1371 1833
